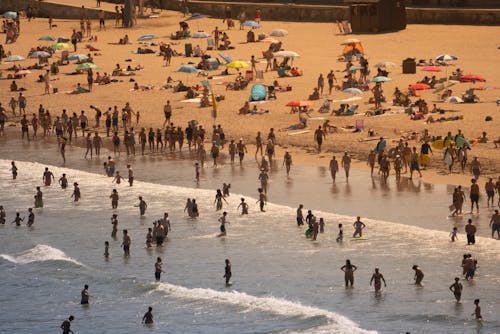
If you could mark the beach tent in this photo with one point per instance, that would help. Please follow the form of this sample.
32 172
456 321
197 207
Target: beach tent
353 48
258 92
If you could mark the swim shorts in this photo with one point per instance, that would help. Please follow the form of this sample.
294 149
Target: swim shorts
474 197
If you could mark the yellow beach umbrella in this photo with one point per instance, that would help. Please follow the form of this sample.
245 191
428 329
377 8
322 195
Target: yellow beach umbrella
238 64
59 46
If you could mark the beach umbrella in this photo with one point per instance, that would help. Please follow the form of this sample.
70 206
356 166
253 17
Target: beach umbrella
226 58
350 41
431 69
354 68
196 16
350 99
454 99
419 86
42 54
10 15
471 78
380 79
353 91
446 57
147 37
298 103
201 34
269 40
278 32
187 69
62 39
78 56
251 24
286 54
13 59
238 64
47 38
385 64
85 66
258 92
60 46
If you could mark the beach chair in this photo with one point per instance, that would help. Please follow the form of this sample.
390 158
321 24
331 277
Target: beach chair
210 44
259 75
249 75
325 108
360 124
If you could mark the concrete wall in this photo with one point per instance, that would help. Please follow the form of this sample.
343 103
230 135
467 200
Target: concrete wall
453 16
45 9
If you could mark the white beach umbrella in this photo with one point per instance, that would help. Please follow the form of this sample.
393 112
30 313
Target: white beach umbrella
278 32
286 54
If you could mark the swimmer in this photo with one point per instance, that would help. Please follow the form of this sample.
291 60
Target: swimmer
456 288
377 277
63 181
358 227
76 192
223 221
17 219
148 316
158 269
106 249
348 270
85 295
118 178
244 207
31 217
66 325
13 169
419 275
227 273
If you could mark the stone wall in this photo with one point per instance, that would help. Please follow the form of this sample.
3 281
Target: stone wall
46 9
453 16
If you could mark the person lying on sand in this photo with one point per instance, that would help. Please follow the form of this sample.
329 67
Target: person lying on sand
79 90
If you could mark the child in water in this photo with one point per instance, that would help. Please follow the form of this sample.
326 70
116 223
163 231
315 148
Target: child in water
453 234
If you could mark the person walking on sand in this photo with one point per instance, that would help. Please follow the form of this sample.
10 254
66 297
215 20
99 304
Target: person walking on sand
474 195
470 229
475 167
377 277
346 163
321 83
227 273
495 224
66 325
348 270
419 275
414 166
358 227
456 288
158 269
319 135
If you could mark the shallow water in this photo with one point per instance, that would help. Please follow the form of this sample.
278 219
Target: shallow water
282 282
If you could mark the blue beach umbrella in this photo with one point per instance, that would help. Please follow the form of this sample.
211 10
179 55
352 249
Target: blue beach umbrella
226 58
10 15
446 57
42 54
380 79
47 38
78 57
187 69
251 24
354 91
354 68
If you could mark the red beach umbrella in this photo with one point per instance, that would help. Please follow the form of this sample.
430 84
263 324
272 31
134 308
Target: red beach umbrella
471 77
298 103
431 69
419 86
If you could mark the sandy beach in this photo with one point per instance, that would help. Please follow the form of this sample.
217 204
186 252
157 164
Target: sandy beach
319 47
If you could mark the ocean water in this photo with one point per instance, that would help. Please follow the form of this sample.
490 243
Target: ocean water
282 282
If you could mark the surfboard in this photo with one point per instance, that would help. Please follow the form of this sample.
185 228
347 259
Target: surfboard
380 146
358 239
461 141
438 144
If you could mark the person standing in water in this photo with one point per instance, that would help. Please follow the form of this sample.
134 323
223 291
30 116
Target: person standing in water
147 319
456 288
126 243
264 178
17 219
287 162
13 169
244 207
340 236
197 172
106 249
114 222
334 167
85 295
2 215
114 199
262 200
158 269
48 177
358 227
495 224
419 275
31 217
300 215
348 270
227 273
378 278
130 175
76 192
470 229
474 195
223 221
66 325
63 181
218 200
142 206
477 310
38 198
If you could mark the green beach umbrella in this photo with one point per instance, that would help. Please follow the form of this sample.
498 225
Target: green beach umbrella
85 66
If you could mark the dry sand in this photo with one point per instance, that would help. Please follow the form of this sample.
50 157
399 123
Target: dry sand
318 45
